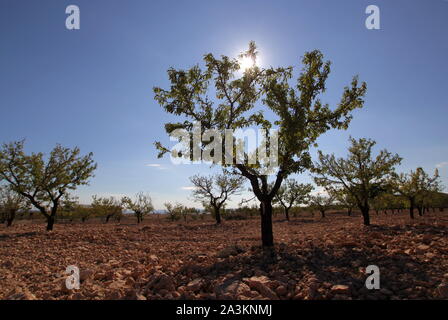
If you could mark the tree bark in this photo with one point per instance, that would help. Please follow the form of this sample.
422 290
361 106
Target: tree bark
217 215
10 218
267 237
411 210
366 215
420 211
349 212
287 214
50 222
322 213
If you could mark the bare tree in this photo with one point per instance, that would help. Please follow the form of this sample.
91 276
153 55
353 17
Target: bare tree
216 190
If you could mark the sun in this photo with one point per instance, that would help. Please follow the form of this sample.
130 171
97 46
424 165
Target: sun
247 63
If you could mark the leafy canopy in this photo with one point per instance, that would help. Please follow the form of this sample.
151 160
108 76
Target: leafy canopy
220 98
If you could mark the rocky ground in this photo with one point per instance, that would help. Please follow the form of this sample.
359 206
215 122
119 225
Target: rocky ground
314 258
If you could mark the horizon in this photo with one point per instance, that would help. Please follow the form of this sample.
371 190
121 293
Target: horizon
92 87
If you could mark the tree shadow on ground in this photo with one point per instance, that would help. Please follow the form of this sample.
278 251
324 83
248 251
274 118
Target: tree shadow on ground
402 275
18 235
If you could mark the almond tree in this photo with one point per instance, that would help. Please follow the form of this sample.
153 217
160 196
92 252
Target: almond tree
44 181
84 212
360 175
414 186
11 202
222 96
141 205
344 198
322 203
68 206
174 210
292 193
216 190
107 207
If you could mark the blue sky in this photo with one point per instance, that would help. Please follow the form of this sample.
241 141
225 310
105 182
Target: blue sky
93 87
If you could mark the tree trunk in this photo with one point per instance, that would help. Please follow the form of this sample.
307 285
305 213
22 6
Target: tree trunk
322 213
411 210
108 217
50 222
287 214
139 218
267 237
420 211
83 219
365 215
217 215
10 218
349 212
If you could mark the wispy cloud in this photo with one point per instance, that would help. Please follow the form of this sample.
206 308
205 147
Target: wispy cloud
156 166
442 164
188 188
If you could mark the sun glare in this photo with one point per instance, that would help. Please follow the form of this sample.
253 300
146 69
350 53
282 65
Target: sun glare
247 62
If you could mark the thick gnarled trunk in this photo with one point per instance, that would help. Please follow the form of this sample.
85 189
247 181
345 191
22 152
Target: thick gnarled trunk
267 236
365 215
50 222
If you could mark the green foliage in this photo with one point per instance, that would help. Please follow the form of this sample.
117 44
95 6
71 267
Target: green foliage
11 203
141 205
293 193
417 187
174 211
220 98
321 203
44 181
301 116
360 175
107 207
214 191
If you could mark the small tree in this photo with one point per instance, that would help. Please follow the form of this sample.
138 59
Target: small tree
45 182
362 176
141 205
83 212
297 108
216 190
415 186
68 206
292 193
345 199
322 203
11 203
107 207
174 210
